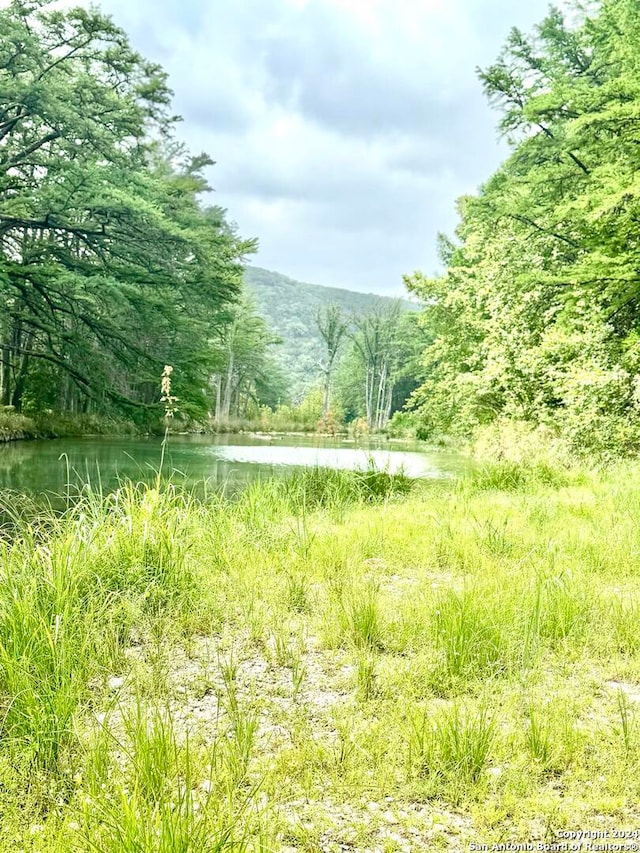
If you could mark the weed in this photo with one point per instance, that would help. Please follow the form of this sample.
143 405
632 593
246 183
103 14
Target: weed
366 677
297 592
470 634
627 721
538 736
565 605
298 676
161 795
363 618
452 745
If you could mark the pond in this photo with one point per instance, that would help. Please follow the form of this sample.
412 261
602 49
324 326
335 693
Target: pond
224 461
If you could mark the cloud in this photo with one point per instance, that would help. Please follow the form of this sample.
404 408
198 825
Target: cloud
343 130
365 73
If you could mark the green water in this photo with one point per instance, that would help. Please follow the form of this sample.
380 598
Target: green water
224 461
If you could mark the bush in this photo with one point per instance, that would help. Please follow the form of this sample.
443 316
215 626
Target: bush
328 424
403 425
518 442
15 426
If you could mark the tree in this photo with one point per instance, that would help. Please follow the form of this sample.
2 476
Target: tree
244 367
537 313
333 329
109 265
376 351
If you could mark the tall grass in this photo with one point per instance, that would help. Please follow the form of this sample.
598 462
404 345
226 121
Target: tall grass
471 633
303 664
71 590
308 489
49 646
150 790
451 748
517 476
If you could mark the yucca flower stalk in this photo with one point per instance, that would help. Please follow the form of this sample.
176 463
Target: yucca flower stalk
167 398
170 409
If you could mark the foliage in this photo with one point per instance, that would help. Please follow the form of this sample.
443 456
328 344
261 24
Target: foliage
536 316
291 309
247 372
311 488
305 417
15 426
109 265
376 350
329 424
333 327
403 425
378 372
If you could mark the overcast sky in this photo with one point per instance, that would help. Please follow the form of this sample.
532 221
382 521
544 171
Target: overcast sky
343 130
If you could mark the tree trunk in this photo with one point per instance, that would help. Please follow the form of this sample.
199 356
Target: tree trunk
21 373
228 389
387 409
216 381
327 392
18 388
381 395
369 388
5 373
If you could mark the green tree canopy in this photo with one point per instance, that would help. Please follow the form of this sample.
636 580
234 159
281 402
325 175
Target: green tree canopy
110 266
537 315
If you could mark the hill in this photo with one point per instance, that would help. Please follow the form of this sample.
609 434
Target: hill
290 308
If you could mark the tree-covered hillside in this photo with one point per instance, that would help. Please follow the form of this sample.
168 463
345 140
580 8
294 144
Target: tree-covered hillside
290 308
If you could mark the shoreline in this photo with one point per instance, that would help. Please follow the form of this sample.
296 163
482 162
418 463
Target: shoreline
60 427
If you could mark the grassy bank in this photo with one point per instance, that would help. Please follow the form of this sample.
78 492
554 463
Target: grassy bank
17 427
328 663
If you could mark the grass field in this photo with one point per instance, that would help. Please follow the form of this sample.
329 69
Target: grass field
325 664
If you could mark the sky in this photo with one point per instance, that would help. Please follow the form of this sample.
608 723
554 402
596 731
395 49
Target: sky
343 130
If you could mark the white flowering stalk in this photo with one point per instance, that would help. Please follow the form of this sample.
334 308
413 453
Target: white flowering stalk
169 401
170 409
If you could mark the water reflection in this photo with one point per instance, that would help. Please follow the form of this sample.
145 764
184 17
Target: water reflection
228 461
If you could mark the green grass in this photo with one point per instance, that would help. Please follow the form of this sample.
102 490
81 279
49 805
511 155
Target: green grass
337 659
15 426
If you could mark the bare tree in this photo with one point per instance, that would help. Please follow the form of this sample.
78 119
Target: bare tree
376 342
333 327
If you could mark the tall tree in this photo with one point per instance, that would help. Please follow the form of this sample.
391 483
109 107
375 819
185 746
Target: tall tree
243 362
376 347
333 327
537 315
108 263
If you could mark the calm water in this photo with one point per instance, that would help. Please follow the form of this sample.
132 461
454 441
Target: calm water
227 461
